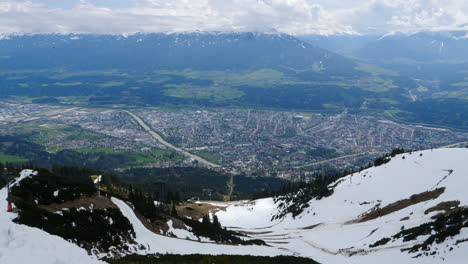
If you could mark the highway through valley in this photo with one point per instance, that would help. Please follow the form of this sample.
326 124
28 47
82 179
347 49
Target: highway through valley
169 145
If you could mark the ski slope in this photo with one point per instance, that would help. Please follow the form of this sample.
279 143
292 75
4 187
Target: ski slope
22 244
155 243
329 231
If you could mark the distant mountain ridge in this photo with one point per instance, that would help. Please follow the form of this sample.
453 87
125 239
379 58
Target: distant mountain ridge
204 51
423 46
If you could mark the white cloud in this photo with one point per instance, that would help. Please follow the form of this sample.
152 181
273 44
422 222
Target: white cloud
404 15
289 16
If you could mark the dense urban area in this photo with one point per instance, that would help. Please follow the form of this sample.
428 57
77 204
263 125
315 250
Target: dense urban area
254 142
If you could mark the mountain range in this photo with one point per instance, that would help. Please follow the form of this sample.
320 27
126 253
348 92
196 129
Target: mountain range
146 52
424 46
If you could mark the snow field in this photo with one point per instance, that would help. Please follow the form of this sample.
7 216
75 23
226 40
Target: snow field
328 231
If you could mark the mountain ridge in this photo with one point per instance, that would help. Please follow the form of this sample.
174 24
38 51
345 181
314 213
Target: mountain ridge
166 51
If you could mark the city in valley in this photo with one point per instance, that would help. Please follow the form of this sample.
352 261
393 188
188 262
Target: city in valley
284 144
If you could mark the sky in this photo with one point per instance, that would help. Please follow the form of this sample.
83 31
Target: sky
297 17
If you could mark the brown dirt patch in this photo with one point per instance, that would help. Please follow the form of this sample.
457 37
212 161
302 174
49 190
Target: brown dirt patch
447 208
178 224
310 227
377 212
160 227
197 210
277 235
155 227
255 233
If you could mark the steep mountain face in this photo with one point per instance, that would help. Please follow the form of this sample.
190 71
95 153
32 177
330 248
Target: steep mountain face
413 209
145 52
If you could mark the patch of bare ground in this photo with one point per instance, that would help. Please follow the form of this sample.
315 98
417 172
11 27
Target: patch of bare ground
278 242
277 235
276 239
381 242
101 202
256 228
310 227
446 208
377 212
260 228
197 210
158 227
372 232
256 233
352 251
95 202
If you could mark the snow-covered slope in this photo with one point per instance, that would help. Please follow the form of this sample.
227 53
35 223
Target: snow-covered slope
366 207
23 244
162 244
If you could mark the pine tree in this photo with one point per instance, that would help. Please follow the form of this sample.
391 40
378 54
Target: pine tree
206 220
216 222
169 197
177 197
131 195
174 210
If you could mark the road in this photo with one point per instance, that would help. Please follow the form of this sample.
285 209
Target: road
427 126
455 145
169 145
337 158
364 153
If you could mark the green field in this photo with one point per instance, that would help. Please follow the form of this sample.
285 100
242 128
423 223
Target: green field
377 81
4 158
256 78
111 84
375 70
135 158
209 156
42 134
67 84
96 150
214 92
